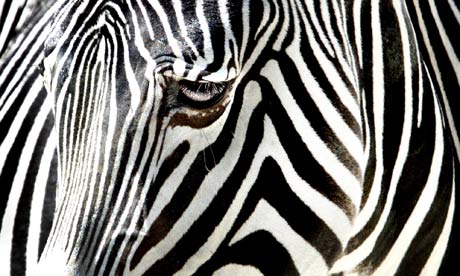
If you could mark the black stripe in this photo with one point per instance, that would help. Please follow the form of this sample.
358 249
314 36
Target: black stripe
48 204
300 157
22 223
427 235
11 168
194 177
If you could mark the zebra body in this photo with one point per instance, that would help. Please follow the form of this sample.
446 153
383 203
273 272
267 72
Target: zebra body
227 137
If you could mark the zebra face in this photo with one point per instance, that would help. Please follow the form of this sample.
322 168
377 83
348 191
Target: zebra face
228 137
176 141
143 96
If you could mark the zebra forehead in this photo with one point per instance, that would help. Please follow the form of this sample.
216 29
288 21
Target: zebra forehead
195 38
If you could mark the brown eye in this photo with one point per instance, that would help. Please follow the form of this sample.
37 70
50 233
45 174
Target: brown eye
201 94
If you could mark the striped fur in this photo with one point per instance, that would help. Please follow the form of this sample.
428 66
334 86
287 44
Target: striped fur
332 150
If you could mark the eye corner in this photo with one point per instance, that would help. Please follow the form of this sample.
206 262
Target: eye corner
41 66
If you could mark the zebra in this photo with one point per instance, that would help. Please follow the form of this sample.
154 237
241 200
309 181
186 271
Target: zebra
250 137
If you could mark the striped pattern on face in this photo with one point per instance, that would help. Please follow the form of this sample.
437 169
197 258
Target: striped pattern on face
227 137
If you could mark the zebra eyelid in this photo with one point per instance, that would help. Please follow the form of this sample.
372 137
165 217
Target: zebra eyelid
201 91
199 94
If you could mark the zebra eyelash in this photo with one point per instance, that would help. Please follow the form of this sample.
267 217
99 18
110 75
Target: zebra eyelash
201 91
200 94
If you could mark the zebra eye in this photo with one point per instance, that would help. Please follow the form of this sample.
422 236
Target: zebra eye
200 94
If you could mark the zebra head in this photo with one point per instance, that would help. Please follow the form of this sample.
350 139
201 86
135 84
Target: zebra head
175 141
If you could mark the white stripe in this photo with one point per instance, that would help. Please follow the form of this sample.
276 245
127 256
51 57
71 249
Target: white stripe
446 41
455 10
330 114
324 208
305 256
8 23
434 261
205 194
38 200
349 184
343 92
316 25
237 269
8 222
349 261
399 248
437 72
357 26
